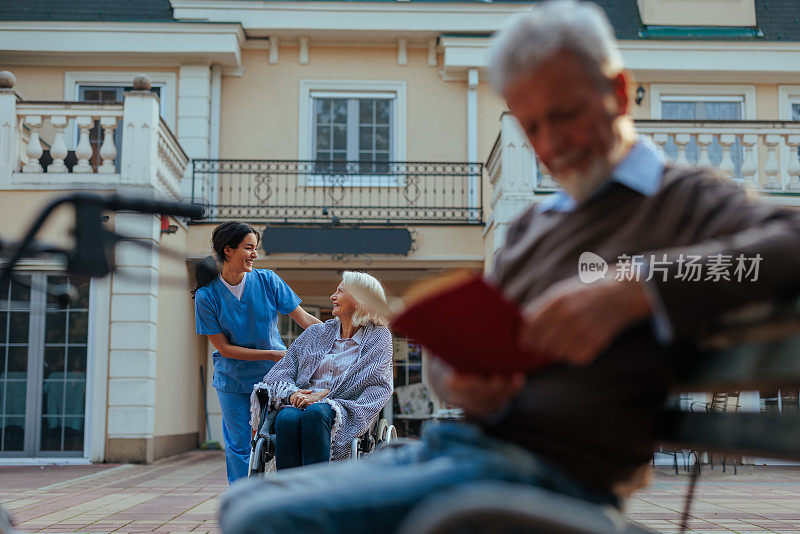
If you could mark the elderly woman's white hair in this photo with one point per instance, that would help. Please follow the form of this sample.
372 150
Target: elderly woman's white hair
550 27
365 287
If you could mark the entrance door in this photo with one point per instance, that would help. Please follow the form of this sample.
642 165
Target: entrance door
43 357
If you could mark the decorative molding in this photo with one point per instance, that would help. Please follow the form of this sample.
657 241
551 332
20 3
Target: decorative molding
432 58
351 16
304 50
402 51
273 49
120 43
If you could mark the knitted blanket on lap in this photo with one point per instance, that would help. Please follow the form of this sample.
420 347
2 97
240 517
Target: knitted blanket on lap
357 396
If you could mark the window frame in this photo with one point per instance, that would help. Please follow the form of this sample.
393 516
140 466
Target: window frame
787 95
310 89
697 93
166 81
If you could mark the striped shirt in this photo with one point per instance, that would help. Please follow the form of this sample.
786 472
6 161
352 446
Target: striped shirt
333 365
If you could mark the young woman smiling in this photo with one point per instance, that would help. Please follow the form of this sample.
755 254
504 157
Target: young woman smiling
238 311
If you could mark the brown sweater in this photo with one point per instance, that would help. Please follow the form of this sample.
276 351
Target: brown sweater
596 423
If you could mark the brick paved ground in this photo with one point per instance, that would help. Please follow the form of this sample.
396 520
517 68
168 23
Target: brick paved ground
756 500
180 494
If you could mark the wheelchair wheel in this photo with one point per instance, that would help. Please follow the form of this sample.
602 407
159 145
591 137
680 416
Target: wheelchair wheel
258 459
386 432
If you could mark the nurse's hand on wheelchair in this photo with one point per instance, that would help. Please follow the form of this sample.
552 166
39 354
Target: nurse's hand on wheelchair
305 397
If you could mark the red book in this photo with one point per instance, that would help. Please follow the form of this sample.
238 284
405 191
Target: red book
467 323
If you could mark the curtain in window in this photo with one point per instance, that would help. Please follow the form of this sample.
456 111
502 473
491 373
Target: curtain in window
704 110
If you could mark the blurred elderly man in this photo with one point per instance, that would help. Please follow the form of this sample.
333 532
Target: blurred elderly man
584 427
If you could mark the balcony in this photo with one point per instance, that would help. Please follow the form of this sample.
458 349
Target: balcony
75 145
760 155
348 192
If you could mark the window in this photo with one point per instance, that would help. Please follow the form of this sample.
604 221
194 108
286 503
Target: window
353 129
105 94
361 122
43 364
699 109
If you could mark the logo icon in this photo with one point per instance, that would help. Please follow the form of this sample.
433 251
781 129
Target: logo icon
591 267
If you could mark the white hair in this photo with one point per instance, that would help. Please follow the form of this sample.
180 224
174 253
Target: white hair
365 283
550 27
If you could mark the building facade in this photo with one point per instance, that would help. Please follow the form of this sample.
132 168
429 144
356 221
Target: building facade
356 135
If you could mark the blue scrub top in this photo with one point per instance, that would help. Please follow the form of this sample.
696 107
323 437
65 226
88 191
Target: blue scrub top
251 323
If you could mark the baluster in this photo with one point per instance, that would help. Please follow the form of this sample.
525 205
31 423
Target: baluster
726 166
108 150
59 149
749 165
660 140
681 140
771 167
83 151
703 141
22 148
34 150
793 167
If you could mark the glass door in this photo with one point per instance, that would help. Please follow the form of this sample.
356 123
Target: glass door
43 361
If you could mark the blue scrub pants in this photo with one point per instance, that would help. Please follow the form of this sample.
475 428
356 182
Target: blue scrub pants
303 437
236 432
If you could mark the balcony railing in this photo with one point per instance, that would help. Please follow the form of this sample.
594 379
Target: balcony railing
46 144
760 155
298 192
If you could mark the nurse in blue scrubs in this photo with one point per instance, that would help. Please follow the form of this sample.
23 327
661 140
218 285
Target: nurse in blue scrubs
238 310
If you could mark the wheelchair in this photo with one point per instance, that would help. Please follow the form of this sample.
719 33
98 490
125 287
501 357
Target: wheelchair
262 446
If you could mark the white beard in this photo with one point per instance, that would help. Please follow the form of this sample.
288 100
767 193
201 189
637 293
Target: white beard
580 185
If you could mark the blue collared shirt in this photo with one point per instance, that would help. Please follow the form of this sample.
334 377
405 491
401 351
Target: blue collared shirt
641 170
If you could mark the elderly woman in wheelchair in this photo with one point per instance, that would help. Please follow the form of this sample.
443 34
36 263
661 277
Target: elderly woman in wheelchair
332 383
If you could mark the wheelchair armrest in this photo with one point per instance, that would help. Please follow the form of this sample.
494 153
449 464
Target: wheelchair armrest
511 508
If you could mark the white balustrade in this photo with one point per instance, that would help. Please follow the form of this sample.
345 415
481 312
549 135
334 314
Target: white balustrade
682 139
793 169
34 150
83 142
108 150
83 151
726 166
58 122
703 141
772 167
750 161
172 161
59 149
761 155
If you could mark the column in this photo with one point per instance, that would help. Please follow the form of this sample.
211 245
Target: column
132 341
9 152
472 133
194 115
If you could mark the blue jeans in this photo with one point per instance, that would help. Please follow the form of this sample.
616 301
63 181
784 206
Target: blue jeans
375 495
236 432
303 437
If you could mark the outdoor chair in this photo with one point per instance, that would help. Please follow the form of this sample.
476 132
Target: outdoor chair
262 447
763 354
